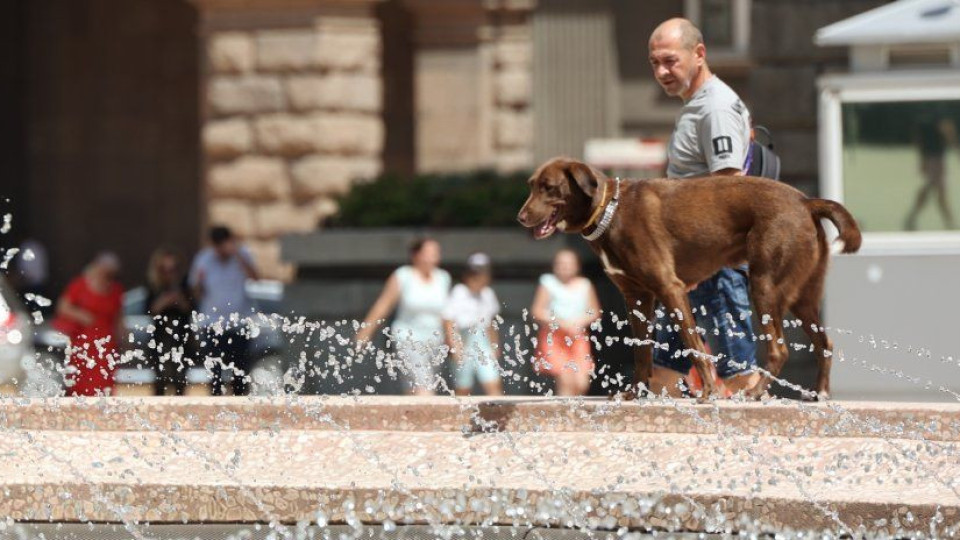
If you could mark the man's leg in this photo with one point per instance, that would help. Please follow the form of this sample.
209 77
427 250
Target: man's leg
669 366
736 342
240 356
159 382
213 349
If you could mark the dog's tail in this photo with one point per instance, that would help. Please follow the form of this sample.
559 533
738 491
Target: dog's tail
841 218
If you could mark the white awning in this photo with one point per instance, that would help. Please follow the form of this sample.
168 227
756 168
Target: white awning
904 21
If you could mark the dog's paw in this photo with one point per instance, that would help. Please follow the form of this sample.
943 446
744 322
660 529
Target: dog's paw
822 396
757 393
629 395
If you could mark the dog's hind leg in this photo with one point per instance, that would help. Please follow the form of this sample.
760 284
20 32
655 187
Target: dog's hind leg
807 309
809 316
769 305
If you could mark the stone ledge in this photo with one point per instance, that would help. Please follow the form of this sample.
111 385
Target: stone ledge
756 467
779 418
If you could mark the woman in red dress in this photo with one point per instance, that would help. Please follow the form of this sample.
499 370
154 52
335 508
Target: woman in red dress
89 313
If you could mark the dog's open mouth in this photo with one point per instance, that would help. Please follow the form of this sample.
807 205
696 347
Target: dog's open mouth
547 228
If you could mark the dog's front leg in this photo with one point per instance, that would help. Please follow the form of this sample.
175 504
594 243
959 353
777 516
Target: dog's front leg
640 308
675 299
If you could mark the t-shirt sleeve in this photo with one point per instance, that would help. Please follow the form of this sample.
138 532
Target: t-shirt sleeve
244 253
447 280
193 278
493 305
723 138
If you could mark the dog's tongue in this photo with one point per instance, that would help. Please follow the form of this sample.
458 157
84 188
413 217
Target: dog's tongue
545 229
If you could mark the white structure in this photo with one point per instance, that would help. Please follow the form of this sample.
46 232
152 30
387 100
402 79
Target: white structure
889 151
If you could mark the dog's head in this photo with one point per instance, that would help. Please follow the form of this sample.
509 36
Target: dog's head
561 195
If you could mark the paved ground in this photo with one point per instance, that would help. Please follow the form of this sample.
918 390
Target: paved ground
857 468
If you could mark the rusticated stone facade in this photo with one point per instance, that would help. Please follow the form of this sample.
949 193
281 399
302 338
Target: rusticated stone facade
512 66
473 80
294 103
293 115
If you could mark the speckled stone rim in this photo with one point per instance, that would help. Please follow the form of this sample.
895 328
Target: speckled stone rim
929 421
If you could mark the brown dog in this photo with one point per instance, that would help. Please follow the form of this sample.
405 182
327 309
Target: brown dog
658 238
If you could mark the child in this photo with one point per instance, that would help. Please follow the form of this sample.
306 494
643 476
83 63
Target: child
470 332
564 306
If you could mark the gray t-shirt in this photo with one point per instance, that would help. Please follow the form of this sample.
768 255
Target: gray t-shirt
712 132
224 290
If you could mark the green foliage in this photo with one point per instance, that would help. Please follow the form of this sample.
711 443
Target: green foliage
477 199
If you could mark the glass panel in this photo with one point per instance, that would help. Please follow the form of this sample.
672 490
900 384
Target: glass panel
922 58
901 165
716 23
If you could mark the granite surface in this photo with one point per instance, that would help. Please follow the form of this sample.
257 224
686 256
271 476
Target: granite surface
841 467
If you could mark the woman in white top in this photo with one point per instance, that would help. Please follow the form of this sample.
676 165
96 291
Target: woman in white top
419 292
564 306
471 330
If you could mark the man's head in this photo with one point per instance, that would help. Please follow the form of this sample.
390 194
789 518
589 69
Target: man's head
223 241
678 57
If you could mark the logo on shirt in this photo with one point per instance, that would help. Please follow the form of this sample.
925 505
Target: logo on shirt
722 145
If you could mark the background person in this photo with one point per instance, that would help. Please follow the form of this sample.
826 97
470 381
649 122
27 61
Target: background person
711 137
218 277
564 306
90 313
419 292
933 136
471 330
170 307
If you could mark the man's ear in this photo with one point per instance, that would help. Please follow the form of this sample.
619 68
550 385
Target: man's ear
584 176
700 52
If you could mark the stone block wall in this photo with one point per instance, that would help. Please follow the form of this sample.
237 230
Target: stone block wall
782 84
473 90
293 116
511 58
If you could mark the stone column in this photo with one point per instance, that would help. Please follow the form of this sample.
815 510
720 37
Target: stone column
291 114
509 39
472 89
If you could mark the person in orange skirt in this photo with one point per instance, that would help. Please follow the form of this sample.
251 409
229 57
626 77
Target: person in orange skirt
564 306
89 312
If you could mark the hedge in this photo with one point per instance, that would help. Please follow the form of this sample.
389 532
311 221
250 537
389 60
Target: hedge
477 199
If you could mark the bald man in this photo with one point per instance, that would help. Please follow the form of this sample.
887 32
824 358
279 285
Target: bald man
711 137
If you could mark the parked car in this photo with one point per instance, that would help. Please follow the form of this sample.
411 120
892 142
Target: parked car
16 330
31 352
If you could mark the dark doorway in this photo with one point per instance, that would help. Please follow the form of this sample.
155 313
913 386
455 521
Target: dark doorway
108 125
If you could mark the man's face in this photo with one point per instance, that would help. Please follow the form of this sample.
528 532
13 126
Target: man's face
226 248
674 65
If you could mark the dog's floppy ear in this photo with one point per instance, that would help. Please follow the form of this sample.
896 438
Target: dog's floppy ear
584 176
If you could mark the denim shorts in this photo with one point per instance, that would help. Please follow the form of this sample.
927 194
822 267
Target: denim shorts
721 306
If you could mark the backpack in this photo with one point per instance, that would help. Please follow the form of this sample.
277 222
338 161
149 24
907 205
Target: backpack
761 159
